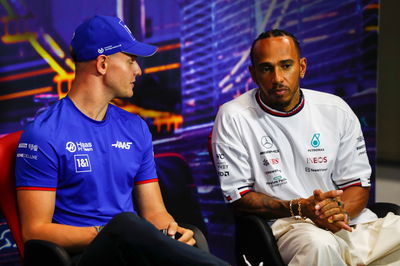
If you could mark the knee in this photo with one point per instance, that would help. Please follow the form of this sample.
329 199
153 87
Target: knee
324 243
128 223
125 217
308 245
123 221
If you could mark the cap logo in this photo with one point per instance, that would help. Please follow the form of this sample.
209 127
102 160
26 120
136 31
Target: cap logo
126 28
100 50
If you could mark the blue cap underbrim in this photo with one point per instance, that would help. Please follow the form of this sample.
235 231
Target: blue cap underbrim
140 49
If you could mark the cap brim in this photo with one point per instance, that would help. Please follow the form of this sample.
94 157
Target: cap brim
141 49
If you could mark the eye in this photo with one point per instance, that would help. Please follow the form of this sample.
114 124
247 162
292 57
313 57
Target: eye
266 68
286 66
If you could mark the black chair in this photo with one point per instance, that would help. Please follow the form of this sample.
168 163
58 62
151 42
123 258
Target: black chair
382 208
256 243
178 189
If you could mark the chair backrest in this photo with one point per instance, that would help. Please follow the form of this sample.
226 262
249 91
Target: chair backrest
8 195
178 190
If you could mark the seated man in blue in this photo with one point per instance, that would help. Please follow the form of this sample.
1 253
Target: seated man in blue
79 161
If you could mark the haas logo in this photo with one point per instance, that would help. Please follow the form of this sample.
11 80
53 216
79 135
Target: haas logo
122 145
70 146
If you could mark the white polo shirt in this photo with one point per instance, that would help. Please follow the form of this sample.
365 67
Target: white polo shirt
319 144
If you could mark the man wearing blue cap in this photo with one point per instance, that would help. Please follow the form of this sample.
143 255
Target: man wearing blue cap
84 156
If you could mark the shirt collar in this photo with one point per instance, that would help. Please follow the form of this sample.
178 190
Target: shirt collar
274 112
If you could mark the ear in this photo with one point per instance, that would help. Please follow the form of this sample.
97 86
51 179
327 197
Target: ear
303 67
101 64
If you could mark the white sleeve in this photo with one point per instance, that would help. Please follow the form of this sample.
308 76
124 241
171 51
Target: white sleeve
230 157
352 167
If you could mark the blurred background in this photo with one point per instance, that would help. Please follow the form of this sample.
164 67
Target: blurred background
202 63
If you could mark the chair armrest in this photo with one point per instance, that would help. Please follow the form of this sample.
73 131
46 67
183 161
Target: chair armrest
255 240
382 208
42 252
201 241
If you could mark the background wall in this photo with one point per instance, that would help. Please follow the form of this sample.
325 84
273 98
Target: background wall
202 63
388 111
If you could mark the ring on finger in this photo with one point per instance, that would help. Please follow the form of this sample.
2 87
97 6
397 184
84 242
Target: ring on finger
339 202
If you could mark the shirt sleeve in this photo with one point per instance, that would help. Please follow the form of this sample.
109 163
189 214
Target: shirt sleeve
352 165
230 158
36 162
147 171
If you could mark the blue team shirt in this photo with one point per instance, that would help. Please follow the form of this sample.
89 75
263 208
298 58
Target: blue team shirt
91 165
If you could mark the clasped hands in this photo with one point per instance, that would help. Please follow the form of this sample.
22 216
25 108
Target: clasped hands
326 210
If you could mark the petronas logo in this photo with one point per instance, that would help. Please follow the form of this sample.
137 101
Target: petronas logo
315 140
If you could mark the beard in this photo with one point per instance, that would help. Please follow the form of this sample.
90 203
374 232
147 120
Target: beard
281 102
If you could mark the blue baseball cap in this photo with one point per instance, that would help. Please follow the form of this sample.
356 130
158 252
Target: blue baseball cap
106 35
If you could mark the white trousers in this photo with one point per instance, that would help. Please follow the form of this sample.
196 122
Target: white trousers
375 243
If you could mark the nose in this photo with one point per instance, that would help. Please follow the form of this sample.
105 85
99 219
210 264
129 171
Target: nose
137 69
277 76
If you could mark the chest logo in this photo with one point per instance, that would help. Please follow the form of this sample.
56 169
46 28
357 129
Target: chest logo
315 140
122 145
70 146
266 142
82 163
78 146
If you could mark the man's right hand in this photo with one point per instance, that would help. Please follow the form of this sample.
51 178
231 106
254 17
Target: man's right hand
337 218
329 209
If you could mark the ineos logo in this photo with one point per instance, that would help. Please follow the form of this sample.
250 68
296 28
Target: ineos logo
320 159
70 146
100 50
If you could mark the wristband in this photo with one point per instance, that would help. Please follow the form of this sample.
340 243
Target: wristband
300 215
290 208
299 210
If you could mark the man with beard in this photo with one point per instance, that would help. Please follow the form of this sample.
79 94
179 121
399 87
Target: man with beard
298 156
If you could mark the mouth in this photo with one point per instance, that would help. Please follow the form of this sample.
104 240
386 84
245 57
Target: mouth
279 91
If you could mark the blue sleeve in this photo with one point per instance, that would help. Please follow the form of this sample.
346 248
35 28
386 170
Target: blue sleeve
36 161
147 171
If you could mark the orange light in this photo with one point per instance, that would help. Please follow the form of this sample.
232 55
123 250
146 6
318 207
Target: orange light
169 47
61 79
371 28
27 74
162 68
25 93
172 122
372 6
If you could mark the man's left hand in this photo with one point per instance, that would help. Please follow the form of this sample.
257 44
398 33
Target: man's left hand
331 207
186 235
